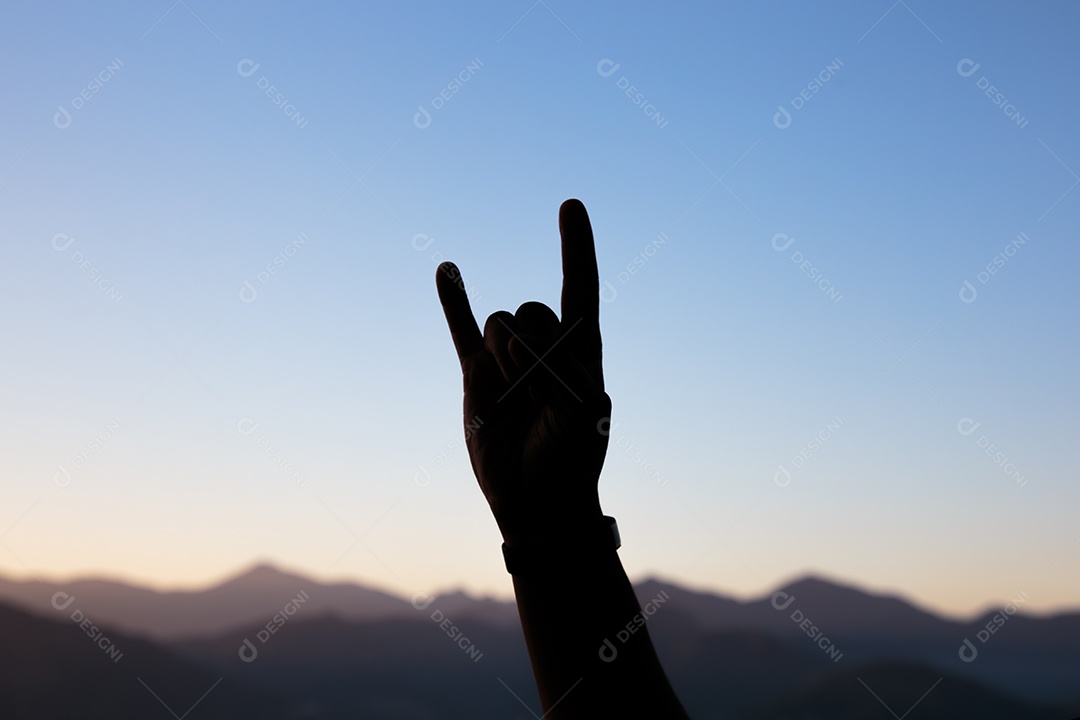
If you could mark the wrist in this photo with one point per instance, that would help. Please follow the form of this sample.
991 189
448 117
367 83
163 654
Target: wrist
552 528
583 546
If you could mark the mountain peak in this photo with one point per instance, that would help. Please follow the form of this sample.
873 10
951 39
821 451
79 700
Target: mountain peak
814 583
264 567
265 573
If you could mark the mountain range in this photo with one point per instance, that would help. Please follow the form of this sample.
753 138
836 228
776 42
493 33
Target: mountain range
280 644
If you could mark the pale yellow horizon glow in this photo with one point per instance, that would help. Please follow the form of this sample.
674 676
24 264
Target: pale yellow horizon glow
195 580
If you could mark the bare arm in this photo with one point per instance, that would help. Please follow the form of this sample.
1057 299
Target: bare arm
537 416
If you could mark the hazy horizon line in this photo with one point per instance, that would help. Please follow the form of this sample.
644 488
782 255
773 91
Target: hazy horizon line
462 587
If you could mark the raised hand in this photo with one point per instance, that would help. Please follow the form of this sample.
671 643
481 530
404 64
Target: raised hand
536 424
535 410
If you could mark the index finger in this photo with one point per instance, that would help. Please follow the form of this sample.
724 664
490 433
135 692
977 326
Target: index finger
459 315
581 282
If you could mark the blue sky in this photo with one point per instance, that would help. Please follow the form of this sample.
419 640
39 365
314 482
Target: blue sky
785 289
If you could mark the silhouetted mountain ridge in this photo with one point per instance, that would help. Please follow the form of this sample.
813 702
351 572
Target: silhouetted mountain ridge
1029 656
56 668
323 667
890 690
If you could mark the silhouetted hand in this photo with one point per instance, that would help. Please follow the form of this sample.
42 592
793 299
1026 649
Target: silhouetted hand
536 414
536 424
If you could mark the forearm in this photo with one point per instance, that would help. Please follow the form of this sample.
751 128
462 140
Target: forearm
572 611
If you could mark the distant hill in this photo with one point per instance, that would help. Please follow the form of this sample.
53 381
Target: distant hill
52 668
322 667
840 609
820 621
1037 658
889 691
252 596
400 668
350 669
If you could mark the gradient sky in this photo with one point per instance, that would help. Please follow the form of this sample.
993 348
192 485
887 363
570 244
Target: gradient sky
778 411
